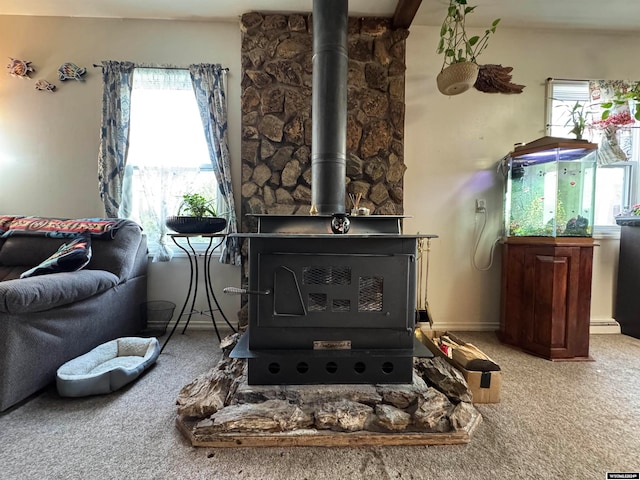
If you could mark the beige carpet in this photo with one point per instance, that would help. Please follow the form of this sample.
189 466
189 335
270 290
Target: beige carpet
556 420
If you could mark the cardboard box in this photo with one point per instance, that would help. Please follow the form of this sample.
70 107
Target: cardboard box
485 386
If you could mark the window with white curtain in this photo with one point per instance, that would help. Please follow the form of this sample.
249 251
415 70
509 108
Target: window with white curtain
168 154
616 175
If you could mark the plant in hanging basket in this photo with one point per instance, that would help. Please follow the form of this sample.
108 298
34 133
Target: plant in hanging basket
196 214
459 69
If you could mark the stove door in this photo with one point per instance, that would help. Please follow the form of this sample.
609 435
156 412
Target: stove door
335 290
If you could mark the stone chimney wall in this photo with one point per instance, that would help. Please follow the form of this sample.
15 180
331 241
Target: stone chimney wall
276 115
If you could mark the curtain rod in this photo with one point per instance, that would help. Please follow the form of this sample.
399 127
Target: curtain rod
226 69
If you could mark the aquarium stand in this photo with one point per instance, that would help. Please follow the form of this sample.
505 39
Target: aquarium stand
546 295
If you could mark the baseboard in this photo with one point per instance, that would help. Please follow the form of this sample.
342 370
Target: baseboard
596 326
463 326
203 322
604 326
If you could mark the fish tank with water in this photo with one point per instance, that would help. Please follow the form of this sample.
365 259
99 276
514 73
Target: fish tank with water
550 188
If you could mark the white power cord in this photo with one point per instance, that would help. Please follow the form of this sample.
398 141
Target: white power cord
483 211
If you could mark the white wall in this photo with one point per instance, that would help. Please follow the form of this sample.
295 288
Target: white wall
453 144
49 141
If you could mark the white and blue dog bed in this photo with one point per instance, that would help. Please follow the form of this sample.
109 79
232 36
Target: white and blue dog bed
107 367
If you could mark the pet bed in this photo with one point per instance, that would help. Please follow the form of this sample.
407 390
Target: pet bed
108 367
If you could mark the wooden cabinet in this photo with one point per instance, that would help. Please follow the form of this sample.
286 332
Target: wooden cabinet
546 296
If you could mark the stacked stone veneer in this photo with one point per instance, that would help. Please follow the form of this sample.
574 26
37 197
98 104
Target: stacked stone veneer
276 115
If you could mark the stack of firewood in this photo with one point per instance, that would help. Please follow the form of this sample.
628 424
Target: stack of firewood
465 354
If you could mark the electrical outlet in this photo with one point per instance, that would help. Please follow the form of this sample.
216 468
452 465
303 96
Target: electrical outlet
481 205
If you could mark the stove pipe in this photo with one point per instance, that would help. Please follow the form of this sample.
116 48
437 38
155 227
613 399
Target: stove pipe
329 114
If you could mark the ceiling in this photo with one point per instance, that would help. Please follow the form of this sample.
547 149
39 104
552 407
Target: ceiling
612 15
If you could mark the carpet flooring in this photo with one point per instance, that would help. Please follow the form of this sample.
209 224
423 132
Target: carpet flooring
569 420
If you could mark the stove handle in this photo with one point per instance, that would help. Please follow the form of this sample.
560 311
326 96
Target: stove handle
243 291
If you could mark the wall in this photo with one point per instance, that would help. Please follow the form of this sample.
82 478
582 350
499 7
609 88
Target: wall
49 141
452 147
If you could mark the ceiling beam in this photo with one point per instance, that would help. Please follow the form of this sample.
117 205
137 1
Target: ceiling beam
405 12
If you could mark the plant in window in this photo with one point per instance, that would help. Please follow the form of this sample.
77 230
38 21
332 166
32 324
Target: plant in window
459 68
616 112
196 215
196 205
577 118
635 210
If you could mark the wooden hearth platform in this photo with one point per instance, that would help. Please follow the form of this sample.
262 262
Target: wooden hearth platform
323 438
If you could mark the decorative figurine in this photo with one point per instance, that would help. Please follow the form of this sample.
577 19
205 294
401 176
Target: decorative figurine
19 68
340 223
45 86
70 71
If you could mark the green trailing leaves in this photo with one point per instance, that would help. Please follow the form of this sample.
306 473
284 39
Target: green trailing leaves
454 42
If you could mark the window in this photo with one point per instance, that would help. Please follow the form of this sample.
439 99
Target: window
168 154
616 174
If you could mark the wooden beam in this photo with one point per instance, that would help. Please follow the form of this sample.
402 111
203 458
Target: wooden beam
405 12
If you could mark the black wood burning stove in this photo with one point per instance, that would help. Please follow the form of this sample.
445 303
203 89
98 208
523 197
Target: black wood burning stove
327 307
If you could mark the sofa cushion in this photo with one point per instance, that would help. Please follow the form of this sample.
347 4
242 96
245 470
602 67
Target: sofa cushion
115 255
36 294
70 257
29 251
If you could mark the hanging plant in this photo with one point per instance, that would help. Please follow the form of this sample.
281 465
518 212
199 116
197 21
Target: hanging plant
620 103
459 68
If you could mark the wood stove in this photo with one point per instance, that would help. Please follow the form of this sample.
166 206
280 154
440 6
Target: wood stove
331 297
330 308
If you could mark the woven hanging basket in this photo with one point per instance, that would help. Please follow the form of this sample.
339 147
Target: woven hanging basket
457 78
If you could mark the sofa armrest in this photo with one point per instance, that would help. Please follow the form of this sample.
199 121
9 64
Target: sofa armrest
118 255
44 292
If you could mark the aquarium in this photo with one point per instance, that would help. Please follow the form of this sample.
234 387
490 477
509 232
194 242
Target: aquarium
550 188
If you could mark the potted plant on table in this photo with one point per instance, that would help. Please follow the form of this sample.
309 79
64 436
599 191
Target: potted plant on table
196 214
459 69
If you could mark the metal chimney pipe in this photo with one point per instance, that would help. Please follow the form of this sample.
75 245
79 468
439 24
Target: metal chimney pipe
329 103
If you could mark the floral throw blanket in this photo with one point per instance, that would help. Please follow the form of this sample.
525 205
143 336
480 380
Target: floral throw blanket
58 227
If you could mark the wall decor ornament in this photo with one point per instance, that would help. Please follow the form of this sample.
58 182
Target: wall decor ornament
70 71
496 79
19 68
45 86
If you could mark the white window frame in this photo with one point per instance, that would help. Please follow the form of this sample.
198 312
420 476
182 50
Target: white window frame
199 244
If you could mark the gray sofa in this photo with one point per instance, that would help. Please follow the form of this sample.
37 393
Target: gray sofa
47 320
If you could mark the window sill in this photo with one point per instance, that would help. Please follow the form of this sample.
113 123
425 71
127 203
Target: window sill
609 232
200 249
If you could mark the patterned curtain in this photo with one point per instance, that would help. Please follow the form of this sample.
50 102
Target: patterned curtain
114 134
208 85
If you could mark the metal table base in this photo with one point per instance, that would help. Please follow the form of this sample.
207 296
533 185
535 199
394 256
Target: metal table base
194 274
